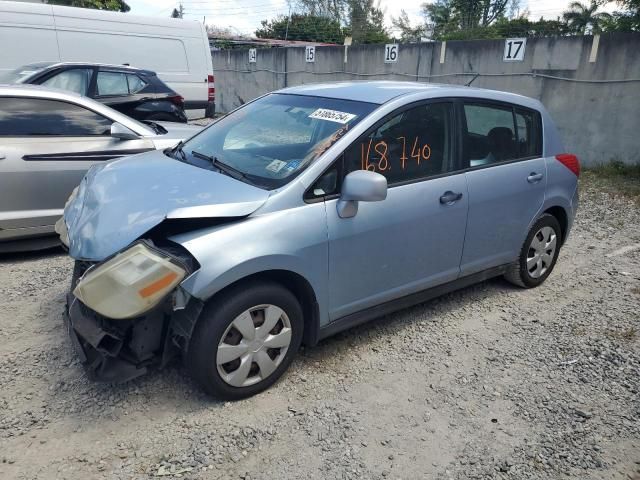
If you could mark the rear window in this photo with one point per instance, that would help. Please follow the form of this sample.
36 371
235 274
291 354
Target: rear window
498 133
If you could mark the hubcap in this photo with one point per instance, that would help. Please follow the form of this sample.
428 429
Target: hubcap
253 345
541 252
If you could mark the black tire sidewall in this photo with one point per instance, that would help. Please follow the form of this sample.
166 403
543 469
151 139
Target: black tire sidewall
162 117
214 320
544 221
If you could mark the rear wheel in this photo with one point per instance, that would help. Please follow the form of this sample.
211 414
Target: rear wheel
245 340
538 255
163 117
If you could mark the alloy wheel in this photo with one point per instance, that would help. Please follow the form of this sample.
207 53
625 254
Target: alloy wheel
253 345
541 252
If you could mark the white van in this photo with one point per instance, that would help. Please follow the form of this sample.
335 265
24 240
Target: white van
176 49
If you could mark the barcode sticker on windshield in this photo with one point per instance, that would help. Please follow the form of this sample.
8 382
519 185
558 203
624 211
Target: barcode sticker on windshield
276 166
332 115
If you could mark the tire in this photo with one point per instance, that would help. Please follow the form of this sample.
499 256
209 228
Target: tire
537 258
222 323
163 117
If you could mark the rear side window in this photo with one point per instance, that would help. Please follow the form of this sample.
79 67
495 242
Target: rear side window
135 83
112 83
37 116
410 145
529 132
500 133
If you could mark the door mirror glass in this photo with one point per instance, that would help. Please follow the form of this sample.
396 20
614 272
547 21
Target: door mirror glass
360 186
123 133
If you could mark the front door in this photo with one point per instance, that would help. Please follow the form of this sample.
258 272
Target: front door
414 238
46 147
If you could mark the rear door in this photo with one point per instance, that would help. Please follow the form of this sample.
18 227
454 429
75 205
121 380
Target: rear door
46 146
413 239
506 178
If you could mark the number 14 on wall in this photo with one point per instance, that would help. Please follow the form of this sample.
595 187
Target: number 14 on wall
514 49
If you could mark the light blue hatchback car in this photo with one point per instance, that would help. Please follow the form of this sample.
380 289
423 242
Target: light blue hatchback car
305 212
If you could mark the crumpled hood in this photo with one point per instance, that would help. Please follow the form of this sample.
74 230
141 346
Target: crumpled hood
119 201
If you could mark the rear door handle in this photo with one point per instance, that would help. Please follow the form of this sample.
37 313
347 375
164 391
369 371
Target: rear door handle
534 177
449 197
2 156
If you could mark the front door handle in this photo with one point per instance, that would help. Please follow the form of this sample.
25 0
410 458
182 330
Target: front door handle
449 197
2 156
534 177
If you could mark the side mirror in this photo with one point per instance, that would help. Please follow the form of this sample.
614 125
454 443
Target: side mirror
360 186
123 133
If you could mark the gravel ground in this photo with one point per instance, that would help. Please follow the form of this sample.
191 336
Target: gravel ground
488 382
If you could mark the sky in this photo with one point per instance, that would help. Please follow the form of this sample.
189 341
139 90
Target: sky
244 16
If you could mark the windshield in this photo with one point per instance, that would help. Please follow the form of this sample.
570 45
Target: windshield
272 140
20 74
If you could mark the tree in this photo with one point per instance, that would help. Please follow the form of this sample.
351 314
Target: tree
309 28
627 20
334 9
366 22
440 18
583 19
117 5
178 12
408 33
329 21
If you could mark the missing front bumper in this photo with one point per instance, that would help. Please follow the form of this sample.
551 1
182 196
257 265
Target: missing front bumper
116 351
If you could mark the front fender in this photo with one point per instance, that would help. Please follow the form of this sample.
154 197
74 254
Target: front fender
294 240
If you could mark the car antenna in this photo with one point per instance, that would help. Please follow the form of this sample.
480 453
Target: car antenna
468 84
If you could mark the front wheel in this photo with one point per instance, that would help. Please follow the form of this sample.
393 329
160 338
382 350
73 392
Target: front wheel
245 340
538 255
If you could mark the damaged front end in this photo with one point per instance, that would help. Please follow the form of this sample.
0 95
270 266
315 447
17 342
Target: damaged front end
127 309
118 350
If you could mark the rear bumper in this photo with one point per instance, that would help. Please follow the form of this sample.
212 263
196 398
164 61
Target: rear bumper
208 107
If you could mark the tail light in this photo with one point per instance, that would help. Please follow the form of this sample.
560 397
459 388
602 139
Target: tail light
177 100
212 88
570 161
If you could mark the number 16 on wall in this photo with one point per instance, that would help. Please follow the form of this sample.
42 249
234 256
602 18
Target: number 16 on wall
390 53
514 49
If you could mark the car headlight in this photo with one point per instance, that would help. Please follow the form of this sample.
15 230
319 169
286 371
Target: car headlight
130 283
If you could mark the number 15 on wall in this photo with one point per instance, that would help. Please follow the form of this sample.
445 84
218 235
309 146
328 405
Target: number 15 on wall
514 49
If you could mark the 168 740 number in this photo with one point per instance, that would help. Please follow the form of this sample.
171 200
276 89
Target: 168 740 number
419 152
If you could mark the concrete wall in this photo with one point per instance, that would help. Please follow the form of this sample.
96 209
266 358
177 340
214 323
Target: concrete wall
599 118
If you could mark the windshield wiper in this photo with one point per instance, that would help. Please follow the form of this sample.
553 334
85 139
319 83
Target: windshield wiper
223 167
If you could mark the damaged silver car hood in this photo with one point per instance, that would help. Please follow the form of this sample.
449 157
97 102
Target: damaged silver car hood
120 201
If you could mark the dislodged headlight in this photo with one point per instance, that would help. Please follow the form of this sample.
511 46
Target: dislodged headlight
129 284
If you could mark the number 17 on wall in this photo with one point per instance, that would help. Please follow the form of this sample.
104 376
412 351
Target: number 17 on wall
514 49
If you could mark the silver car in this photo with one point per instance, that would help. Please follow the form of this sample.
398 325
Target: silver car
306 212
48 140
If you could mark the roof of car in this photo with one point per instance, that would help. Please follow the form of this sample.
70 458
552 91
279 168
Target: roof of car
381 91
122 68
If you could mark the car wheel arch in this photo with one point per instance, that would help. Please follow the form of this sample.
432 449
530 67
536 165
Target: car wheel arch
296 284
563 219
